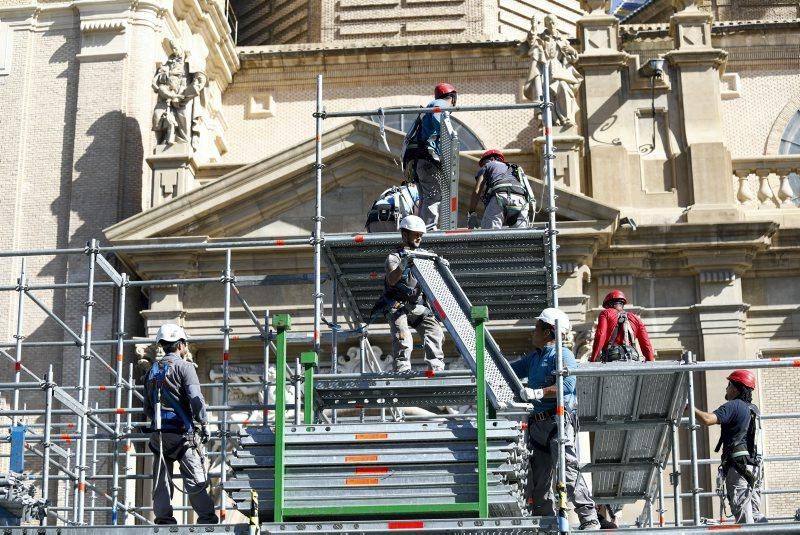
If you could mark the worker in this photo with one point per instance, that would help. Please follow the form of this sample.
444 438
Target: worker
405 304
616 331
177 410
740 466
422 155
505 198
539 368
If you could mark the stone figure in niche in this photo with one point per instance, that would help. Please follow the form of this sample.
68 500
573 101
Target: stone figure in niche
176 87
550 50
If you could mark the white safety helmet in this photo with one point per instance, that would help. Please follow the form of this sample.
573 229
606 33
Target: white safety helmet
169 332
413 223
551 315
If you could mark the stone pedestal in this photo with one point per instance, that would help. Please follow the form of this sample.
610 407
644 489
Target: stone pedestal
598 33
567 166
173 172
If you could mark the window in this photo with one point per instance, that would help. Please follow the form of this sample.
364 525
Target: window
790 140
467 139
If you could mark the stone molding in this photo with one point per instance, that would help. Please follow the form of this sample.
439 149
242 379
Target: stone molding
611 280
719 276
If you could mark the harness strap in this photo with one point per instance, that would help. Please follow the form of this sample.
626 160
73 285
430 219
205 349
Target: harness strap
157 376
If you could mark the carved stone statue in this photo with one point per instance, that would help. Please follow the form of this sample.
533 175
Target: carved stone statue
176 87
549 50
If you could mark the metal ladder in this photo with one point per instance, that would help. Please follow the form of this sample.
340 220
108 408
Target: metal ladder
452 307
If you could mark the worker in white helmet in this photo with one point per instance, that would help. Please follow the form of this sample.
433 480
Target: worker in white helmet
176 407
406 306
539 368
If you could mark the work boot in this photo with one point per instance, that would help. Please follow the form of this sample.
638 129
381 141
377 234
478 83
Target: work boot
590 525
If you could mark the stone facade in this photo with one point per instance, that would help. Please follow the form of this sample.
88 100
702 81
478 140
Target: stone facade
694 159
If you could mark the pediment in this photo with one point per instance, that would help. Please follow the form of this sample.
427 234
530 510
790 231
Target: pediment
274 197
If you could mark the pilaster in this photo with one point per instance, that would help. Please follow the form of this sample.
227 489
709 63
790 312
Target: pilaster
696 69
601 63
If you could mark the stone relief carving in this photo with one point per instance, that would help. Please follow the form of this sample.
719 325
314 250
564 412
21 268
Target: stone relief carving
550 50
584 340
173 118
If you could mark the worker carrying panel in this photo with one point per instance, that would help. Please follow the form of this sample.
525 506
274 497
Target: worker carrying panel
453 308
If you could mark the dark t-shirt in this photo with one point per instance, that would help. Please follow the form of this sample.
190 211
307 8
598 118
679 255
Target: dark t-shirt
495 173
734 417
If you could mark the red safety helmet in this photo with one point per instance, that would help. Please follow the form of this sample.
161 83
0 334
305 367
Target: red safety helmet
444 89
614 295
489 153
744 378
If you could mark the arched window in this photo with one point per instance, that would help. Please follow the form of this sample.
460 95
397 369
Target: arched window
467 140
790 140
790 144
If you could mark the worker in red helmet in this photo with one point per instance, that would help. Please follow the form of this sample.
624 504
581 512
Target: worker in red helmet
502 187
740 467
422 155
618 331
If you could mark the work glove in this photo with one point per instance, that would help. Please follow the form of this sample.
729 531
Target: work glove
530 394
203 434
472 220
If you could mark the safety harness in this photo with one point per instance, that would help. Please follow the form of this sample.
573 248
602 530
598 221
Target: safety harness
746 452
414 147
170 416
393 205
406 294
511 182
625 351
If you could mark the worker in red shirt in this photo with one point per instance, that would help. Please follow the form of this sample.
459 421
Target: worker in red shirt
616 331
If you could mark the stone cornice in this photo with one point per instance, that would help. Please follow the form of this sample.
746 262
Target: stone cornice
704 56
594 61
348 67
205 18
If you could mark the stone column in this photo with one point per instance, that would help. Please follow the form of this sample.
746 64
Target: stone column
600 62
696 68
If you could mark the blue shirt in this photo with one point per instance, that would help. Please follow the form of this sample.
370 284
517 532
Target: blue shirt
539 367
431 124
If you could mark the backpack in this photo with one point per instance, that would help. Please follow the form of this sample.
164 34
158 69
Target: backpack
627 350
391 207
413 143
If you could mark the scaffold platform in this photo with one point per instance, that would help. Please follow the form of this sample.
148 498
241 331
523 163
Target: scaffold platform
630 416
411 389
504 271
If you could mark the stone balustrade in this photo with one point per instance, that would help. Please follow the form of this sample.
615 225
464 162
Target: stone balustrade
764 182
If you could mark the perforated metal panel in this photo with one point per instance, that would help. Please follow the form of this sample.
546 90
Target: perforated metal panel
504 270
454 309
449 146
629 416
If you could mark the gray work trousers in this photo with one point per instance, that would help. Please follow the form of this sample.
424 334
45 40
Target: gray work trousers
745 502
403 342
428 177
543 443
494 215
177 448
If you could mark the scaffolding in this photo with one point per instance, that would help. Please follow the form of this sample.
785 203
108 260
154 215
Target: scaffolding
70 450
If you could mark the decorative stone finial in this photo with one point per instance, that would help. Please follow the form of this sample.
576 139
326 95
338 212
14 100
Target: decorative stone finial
596 6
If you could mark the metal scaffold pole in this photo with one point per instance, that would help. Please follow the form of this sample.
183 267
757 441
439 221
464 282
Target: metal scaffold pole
48 423
227 279
118 397
91 250
675 475
688 358
21 286
318 237
265 384
128 444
